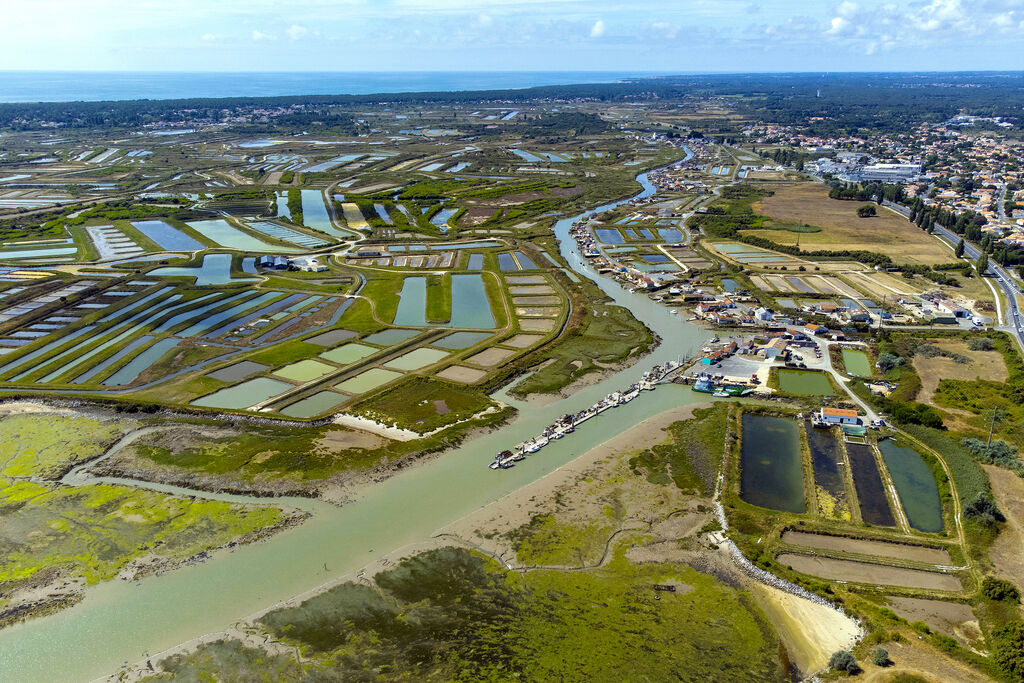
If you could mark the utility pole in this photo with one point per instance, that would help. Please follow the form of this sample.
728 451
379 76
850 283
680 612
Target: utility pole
996 414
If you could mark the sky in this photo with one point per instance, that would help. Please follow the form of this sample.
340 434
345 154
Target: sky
512 35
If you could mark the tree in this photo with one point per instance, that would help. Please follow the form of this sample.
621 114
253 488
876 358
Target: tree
982 264
867 211
1000 590
880 657
1008 649
888 361
960 248
984 509
843 661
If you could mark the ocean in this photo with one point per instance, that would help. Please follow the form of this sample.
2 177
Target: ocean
75 86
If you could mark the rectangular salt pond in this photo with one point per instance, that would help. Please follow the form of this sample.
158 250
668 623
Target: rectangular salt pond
414 360
142 362
365 381
238 371
670 235
314 405
220 232
244 395
732 248
390 337
828 473
461 340
786 303
804 383
874 506
915 485
476 262
412 303
771 471
287 234
314 213
526 156
38 253
730 285
609 236
654 258
506 262
349 353
304 370
470 305
857 363
525 262
746 259
167 236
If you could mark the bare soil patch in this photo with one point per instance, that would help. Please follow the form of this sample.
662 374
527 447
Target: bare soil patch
490 357
537 325
536 301
522 341
526 279
863 546
953 619
1005 553
462 374
865 572
987 365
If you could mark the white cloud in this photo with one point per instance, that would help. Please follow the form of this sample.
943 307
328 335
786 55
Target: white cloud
598 29
847 9
210 37
260 35
295 32
484 20
840 26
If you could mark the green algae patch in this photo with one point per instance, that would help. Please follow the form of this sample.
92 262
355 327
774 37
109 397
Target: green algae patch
93 531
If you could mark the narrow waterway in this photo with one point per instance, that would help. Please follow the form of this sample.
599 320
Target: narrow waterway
121 622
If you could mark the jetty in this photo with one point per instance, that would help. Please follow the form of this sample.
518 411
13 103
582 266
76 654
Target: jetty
567 423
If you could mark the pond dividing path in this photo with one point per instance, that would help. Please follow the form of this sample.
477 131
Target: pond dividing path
121 621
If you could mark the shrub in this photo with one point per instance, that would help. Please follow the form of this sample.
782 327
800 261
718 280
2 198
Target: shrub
981 344
1000 590
880 657
843 661
983 508
1008 649
888 361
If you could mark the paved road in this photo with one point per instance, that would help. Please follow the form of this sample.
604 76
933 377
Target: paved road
997 272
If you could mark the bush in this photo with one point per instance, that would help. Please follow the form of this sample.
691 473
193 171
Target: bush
867 211
880 657
995 453
843 661
983 508
888 361
981 344
1000 590
1008 649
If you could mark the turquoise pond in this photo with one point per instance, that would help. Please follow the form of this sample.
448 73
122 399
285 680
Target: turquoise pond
215 270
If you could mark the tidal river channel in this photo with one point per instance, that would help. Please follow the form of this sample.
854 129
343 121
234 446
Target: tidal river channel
119 622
